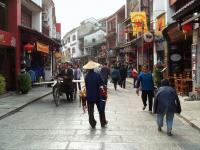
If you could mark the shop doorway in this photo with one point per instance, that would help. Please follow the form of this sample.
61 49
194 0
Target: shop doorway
7 67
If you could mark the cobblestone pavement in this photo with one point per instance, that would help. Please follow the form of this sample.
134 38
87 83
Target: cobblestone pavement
41 125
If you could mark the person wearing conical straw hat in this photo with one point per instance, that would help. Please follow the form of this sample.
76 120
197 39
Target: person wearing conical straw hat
93 84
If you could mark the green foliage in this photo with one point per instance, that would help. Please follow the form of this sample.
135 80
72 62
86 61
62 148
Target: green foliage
157 76
24 82
2 85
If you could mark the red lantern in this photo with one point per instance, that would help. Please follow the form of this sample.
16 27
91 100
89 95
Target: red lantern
28 47
187 27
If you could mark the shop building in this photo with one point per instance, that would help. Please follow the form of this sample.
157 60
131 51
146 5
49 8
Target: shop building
114 35
21 24
38 28
182 37
138 49
9 41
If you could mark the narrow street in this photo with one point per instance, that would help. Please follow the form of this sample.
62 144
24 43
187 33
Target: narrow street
41 125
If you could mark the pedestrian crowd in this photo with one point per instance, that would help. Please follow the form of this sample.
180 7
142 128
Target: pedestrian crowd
165 103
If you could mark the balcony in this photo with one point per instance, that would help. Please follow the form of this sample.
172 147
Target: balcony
45 30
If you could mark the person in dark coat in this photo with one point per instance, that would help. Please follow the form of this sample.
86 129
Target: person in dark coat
105 72
69 84
166 103
123 75
115 75
93 84
145 80
67 74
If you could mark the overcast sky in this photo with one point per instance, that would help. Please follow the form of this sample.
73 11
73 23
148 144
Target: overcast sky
71 12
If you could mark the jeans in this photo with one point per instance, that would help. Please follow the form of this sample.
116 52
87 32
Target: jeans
134 81
169 120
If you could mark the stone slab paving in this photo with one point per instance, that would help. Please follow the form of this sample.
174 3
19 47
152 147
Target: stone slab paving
190 109
42 125
15 101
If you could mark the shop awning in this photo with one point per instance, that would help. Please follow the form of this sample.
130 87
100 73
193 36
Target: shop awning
29 35
42 47
172 33
189 8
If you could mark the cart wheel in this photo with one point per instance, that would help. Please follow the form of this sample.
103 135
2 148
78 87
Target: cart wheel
56 96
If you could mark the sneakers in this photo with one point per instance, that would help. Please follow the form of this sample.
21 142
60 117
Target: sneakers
104 125
169 133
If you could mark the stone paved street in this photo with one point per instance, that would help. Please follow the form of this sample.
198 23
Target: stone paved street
41 125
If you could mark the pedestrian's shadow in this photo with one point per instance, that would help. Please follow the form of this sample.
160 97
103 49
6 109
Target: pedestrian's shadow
92 133
184 143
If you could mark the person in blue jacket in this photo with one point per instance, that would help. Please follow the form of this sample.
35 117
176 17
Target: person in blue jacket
93 83
145 81
166 103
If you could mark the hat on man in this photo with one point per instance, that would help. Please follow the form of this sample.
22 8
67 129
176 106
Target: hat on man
91 65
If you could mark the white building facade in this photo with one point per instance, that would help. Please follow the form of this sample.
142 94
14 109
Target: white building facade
71 45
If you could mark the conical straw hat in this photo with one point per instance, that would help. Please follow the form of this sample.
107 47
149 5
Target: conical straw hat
91 65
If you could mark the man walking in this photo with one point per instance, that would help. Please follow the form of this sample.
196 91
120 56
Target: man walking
93 84
123 75
145 80
105 72
166 103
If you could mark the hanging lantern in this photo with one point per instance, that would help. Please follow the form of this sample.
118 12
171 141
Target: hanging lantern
186 27
28 47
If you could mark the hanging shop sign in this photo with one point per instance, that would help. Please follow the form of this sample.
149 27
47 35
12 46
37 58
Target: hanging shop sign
148 37
42 47
139 22
160 24
7 39
57 55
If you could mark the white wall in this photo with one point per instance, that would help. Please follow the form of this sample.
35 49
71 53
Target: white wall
37 21
72 44
38 2
160 7
99 37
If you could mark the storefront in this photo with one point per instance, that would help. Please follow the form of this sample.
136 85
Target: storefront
182 38
7 57
41 58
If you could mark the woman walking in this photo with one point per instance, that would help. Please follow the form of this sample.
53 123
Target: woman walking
166 103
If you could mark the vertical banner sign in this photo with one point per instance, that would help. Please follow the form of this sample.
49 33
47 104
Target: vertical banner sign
160 24
139 22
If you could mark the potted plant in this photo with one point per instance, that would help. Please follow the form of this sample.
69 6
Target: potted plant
24 82
2 84
157 74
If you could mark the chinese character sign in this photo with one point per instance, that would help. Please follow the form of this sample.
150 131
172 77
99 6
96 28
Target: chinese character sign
139 22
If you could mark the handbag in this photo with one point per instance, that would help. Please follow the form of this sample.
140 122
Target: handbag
103 93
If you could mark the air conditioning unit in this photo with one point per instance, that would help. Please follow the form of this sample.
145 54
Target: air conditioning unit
45 17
